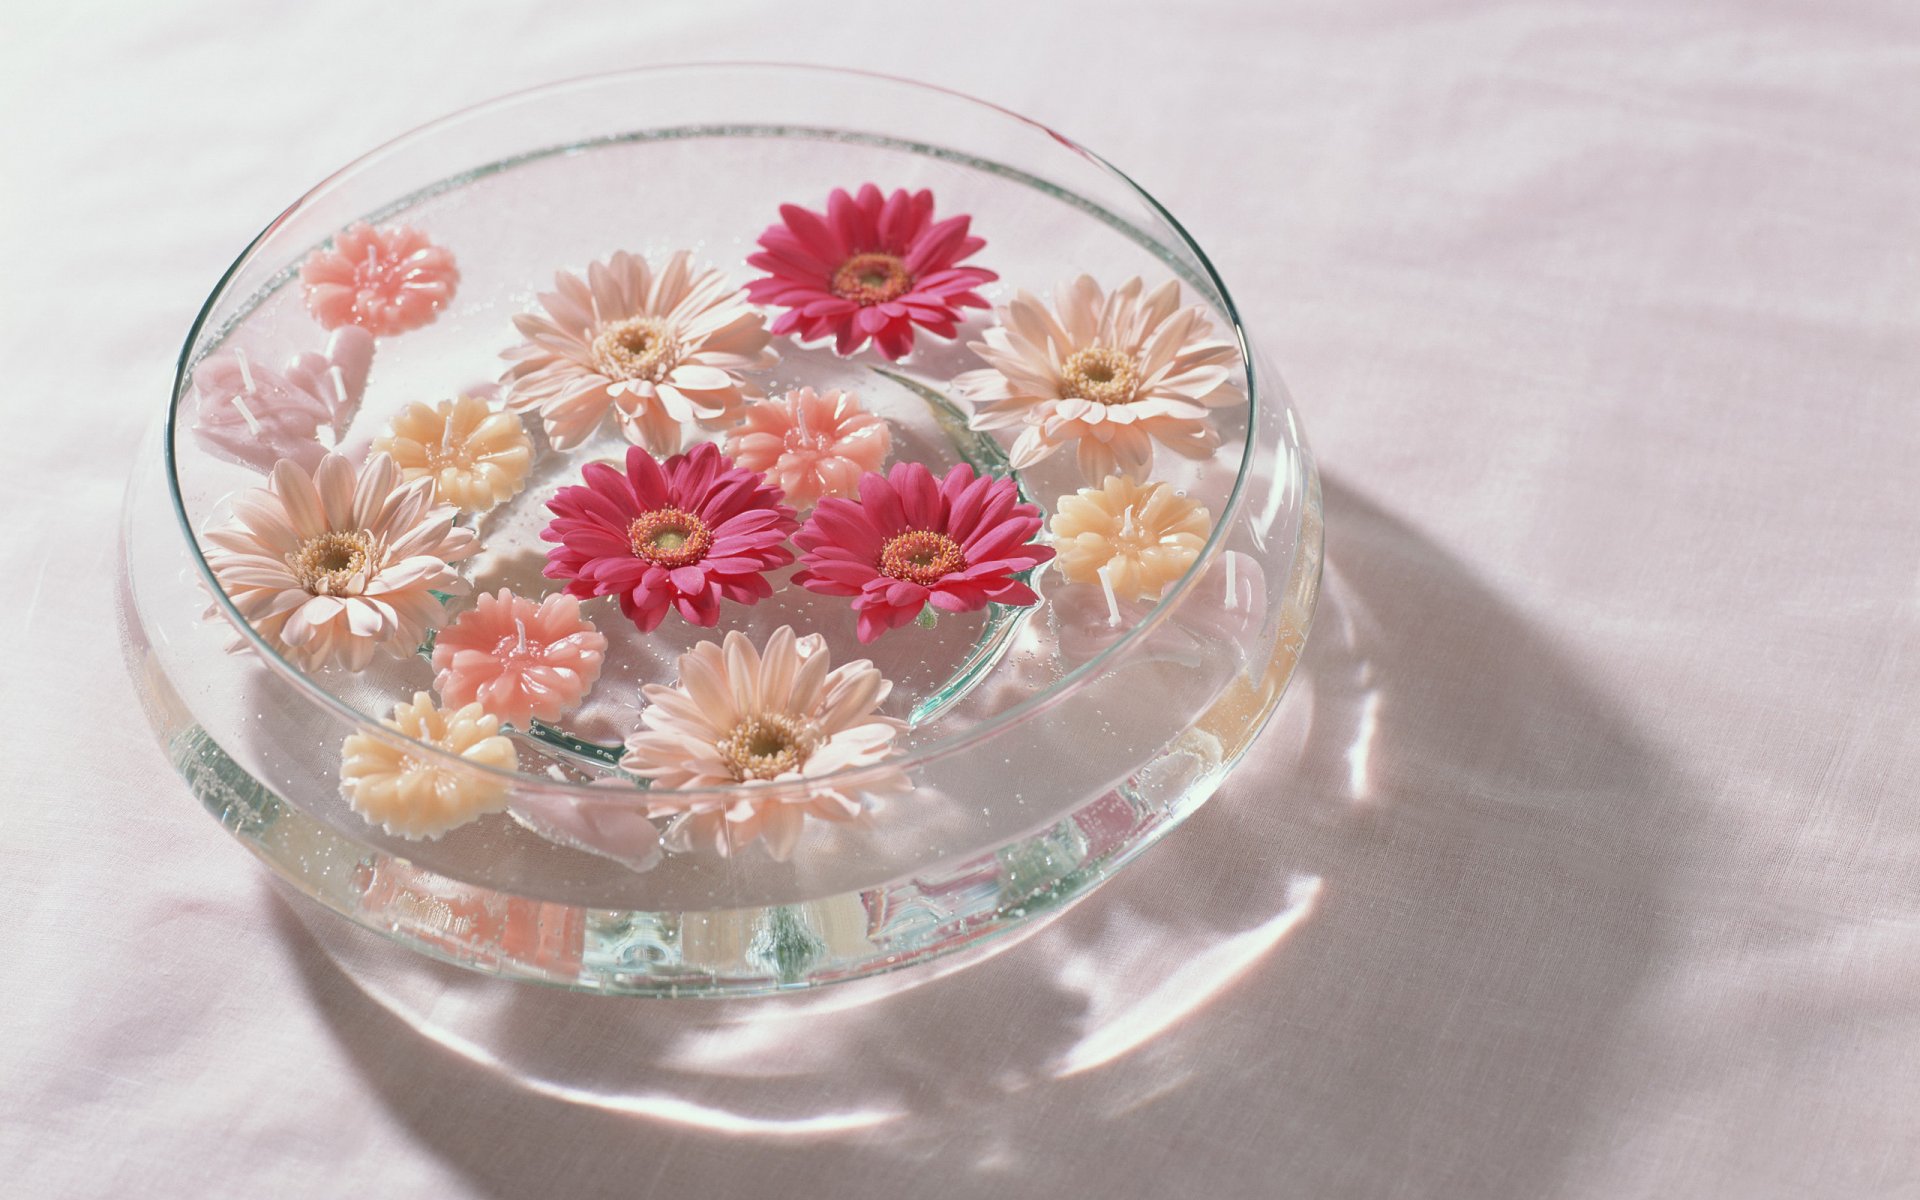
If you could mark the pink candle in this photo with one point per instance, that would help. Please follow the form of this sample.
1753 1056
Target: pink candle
519 660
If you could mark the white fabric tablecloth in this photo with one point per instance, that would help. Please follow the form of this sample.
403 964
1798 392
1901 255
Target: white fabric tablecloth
1584 860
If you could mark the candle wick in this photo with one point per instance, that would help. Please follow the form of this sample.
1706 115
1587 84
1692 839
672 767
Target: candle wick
520 636
1113 602
246 372
246 414
339 385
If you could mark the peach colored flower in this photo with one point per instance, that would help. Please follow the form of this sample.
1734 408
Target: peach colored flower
248 413
811 444
744 715
416 796
330 566
517 659
659 350
1132 539
477 458
386 281
1111 373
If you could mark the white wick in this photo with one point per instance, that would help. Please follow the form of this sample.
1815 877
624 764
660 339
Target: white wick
339 385
1233 589
520 636
246 415
1113 602
246 372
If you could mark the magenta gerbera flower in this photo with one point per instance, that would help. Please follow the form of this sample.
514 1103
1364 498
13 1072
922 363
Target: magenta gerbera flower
913 540
685 533
870 267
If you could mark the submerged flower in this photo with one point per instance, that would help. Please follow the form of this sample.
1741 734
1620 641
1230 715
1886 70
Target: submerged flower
386 281
912 540
868 268
331 565
1132 539
685 533
1110 372
811 444
416 795
248 413
660 350
746 716
477 458
518 660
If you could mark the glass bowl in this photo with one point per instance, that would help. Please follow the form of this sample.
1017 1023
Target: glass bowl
1038 746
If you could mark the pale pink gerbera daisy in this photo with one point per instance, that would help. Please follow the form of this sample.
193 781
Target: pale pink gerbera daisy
685 534
386 281
811 444
659 350
1110 373
331 565
868 268
517 659
776 716
248 413
956 543
415 795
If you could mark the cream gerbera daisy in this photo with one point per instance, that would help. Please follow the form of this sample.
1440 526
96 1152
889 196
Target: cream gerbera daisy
1132 539
332 566
477 458
418 796
659 349
741 715
1111 373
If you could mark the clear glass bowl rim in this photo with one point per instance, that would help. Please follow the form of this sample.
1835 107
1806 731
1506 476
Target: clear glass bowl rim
851 778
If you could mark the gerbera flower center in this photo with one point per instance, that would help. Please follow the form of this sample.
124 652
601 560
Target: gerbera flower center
871 279
328 563
921 556
1100 374
767 746
636 348
670 537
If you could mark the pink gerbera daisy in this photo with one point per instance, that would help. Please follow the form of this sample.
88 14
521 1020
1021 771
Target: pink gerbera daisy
685 533
386 281
870 267
956 543
811 444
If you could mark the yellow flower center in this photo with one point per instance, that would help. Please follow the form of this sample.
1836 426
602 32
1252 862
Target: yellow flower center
921 556
636 348
869 279
332 563
767 746
670 537
1099 374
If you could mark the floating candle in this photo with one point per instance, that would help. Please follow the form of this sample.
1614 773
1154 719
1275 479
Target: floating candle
477 458
1131 538
518 660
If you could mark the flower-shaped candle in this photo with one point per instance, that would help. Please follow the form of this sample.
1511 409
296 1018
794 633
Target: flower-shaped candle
417 796
477 458
870 267
1111 373
248 413
332 565
386 281
518 660
780 715
685 534
1133 539
659 349
811 444
956 543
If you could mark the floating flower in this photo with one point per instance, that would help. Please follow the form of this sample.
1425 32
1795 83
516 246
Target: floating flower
248 413
477 458
386 281
868 268
811 444
685 533
331 565
1133 539
1112 373
746 716
518 660
912 540
658 349
418 796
